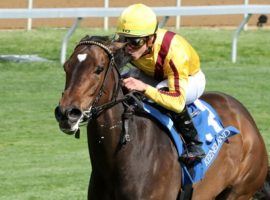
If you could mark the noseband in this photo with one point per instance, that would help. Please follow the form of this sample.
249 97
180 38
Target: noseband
94 110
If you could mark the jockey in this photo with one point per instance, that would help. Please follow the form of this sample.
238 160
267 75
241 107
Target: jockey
168 59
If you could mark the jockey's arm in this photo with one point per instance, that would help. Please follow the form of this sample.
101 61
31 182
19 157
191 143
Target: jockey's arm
177 71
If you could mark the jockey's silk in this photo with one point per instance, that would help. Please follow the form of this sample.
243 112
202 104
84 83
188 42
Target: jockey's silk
172 58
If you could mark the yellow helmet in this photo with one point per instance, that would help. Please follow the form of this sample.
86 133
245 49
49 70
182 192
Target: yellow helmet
137 20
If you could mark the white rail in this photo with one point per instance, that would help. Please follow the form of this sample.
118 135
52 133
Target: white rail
114 12
29 21
80 13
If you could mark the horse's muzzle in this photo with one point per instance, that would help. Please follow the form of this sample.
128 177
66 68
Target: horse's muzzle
68 119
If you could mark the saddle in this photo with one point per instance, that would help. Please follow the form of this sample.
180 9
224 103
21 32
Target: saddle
208 124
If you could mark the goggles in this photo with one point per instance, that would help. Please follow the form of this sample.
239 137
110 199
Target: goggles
134 42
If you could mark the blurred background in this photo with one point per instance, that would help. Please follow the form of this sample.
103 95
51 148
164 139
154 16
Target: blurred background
37 160
186 21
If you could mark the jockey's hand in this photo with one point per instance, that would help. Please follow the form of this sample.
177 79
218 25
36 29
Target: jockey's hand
134 84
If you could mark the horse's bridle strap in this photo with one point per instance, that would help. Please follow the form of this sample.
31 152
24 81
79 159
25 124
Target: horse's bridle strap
94 110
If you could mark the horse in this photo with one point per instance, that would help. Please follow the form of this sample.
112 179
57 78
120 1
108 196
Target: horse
145 164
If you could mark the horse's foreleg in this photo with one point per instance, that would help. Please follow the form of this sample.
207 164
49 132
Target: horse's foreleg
97 189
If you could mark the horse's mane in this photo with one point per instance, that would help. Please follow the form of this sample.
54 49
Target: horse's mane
120 56
101 39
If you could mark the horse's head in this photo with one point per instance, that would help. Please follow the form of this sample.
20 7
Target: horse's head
89 74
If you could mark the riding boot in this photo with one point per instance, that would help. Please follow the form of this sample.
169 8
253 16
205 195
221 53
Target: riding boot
185 127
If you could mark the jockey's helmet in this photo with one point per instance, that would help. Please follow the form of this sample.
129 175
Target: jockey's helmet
137 20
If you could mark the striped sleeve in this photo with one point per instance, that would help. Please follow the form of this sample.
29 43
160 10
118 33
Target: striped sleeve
175 98
176 71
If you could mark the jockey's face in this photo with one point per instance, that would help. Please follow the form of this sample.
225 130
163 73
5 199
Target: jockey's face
136 53
137 47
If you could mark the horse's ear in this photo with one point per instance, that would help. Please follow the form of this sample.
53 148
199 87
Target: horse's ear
85 38
120 56
114 46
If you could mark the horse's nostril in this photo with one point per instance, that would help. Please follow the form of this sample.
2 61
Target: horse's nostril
58 114
74 114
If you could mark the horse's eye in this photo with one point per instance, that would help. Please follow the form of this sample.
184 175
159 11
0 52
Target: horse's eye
99 69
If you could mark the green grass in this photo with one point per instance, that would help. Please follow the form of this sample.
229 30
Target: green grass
37 161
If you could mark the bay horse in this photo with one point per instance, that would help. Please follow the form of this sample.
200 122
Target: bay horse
146 165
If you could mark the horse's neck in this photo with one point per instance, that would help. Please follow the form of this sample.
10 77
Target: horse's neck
135 157
104 133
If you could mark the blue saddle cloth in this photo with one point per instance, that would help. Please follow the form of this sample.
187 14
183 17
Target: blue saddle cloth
210 130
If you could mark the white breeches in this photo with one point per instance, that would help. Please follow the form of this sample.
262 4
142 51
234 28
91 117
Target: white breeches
195 88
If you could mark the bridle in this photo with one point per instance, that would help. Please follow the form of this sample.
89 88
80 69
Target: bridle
94 110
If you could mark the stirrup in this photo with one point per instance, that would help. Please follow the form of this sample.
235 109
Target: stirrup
189 157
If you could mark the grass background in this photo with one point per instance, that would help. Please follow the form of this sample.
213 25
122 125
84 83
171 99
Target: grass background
37 161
